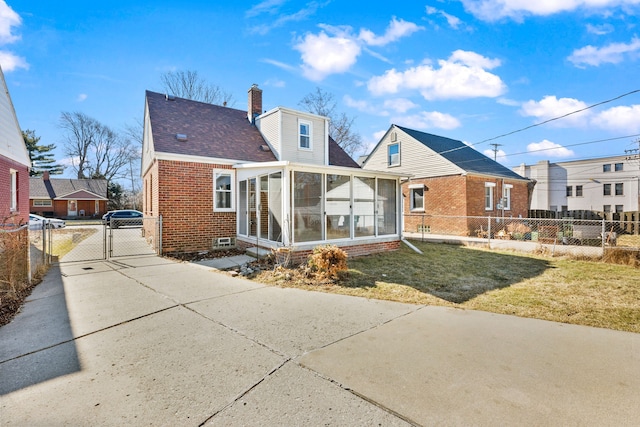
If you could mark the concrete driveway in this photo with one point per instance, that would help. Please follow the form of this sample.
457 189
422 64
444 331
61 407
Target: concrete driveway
148 341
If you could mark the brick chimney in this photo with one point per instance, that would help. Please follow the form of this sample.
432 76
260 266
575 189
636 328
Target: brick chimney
45 176
255 102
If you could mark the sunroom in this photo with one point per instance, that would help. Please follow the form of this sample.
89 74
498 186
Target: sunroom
297 207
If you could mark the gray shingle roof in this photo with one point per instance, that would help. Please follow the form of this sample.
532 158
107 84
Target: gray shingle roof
462 155
60 187
214 131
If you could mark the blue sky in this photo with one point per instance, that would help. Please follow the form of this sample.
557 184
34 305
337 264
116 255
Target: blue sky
468 70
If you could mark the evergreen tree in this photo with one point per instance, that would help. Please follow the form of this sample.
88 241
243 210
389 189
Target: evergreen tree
41 155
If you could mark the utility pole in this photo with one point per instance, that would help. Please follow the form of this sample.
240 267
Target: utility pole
495 150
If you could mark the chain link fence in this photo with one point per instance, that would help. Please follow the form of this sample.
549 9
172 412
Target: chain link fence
566 236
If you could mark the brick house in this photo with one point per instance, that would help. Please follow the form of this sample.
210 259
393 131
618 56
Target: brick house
218 175
448 178
14 164
67 198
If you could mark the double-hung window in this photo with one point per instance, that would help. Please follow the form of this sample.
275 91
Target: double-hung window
606 189
578 190
393 155
488 195
506 197
304 131
569 191
13 206
619 189
416 194
223 186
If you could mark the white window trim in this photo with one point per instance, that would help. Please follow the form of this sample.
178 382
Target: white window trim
491 186
231 173
310 125
506 200
42 202
412 188
13 207
389 164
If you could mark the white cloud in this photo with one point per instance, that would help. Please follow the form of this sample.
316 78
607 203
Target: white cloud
453 21
508 102
8 19
323 55
336 48
463 75
364 106
616 119
551 107
400 105
279 64
81 97
600 30
547 148
10 62
492 10
428 120
395 31
267 6
613 53
623 118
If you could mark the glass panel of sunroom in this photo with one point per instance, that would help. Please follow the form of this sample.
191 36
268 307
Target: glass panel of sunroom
253 210
364 191
386 206
338 206
242 209
264 207
307 202
275 206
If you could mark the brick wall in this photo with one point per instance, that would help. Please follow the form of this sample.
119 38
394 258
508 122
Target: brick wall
21 215
182 192
300 256
461 196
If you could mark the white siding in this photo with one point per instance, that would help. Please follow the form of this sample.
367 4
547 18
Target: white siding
269 125
415 158
554 178
147 142
11 142
290 134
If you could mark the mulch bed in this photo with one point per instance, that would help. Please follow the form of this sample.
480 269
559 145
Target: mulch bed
10 304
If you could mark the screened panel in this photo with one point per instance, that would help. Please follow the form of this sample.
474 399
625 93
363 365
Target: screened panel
387 206
264 207
307 202
275 207
242 214
364 206
338 206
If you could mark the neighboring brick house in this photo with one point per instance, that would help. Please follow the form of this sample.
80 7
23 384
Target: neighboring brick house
448 178
14 164
217 175
67 198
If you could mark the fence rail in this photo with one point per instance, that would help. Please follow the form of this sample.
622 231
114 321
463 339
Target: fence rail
586 237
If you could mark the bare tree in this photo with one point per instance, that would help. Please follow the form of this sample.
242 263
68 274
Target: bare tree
188 84
95 150
341 129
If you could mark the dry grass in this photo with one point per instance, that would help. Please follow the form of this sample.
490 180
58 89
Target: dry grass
564 290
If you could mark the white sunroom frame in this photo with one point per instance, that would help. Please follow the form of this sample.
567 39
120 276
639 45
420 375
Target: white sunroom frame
247 171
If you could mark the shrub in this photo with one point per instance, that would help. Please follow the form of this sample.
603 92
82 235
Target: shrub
328 261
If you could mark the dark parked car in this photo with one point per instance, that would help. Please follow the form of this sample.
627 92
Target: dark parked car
122 218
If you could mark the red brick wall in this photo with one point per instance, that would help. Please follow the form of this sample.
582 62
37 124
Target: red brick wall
21 215
461 196
301 256
182 192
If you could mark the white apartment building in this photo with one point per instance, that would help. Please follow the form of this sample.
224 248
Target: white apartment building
607 184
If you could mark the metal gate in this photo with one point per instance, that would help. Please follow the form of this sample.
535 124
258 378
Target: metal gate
92 241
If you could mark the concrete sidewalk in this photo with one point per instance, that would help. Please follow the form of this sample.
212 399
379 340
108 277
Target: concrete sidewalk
146 340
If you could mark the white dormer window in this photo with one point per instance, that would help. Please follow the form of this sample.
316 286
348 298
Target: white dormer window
304 131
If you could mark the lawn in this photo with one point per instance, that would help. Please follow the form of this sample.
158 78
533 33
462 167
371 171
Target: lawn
562 290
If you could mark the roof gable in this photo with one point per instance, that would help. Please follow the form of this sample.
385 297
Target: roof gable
461 155
12 144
